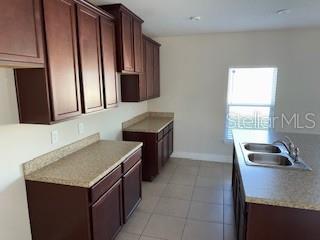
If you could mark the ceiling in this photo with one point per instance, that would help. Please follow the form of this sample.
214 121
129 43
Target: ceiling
171 17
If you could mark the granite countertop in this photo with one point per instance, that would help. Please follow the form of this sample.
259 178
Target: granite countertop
281 187
150 124
87 166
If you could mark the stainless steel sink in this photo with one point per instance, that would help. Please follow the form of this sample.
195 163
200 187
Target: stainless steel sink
264 148
270 155
269 159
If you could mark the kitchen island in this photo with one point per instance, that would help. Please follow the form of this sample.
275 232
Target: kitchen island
276 203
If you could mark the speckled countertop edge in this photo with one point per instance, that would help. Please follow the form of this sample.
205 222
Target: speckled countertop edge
132 129
161 118
83 183
279 203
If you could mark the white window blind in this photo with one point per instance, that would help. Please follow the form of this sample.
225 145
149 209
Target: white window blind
251 97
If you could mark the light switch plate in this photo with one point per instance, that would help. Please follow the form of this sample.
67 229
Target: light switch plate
54 137
81 128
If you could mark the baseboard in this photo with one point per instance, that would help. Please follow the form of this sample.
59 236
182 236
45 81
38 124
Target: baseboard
203 157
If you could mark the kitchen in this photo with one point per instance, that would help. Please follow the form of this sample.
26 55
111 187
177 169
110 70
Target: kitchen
195 59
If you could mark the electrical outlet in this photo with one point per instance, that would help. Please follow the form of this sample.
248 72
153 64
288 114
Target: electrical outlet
54 137
81 128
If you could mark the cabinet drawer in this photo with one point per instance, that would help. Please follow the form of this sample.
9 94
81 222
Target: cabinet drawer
160 135
166 130
131 161
105 184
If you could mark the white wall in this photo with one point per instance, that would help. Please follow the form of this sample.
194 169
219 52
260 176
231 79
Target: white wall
20 143
8 98
194 78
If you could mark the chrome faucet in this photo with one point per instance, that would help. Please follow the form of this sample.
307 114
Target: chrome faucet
292 149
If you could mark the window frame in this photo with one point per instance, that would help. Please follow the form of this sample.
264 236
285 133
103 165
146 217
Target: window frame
271 106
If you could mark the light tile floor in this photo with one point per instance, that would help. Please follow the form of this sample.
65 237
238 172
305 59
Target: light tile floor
189 200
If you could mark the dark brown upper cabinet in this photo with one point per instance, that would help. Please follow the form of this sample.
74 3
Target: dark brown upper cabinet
152 67
137 41
128 38
127 43
142 75
149 62
98 57
53 93
90 59
21 38
156 70
146 85
62 54
80 65
108 44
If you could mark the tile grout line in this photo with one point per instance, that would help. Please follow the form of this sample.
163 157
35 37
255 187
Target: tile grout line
152 212
140 235
187 217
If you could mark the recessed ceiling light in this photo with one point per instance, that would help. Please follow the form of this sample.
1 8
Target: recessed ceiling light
195 18
283 11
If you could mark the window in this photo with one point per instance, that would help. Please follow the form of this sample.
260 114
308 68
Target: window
251 95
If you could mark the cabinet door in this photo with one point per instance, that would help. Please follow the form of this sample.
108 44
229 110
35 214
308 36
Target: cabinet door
107 214
109 62
149 69
242 223
137 41
170 144
21 37
142 75
90 60
127 42
60 26
156 71
165 148
160 154
132 189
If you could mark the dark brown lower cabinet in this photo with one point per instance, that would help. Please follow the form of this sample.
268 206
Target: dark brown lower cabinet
170 141
265 222
107 221
240 207
59 211
165 148
160 151
132 189
157 148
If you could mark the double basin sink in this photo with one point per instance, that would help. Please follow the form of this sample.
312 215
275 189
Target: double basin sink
270 155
